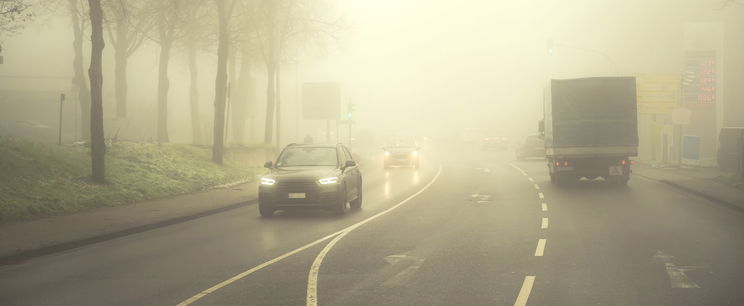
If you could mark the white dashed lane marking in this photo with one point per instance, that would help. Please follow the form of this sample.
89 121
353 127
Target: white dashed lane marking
544 206
524 293
540 250
544 223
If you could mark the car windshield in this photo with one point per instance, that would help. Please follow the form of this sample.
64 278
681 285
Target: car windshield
312 156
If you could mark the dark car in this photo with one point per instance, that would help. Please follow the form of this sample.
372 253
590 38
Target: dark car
494 143
406 155
311 176
532 146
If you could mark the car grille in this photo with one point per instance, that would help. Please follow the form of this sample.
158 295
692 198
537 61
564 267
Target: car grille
297 186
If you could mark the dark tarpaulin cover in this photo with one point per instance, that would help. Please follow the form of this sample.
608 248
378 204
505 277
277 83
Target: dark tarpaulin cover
594 112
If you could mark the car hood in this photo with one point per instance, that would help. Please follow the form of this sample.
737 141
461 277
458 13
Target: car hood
311 172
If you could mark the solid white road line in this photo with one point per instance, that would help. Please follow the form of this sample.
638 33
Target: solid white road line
518 169
541 195
544 223
312 279
540 247
524 293
544 206
300 249
537 187
530 179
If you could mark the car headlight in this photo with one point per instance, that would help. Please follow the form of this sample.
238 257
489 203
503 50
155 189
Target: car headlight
387 153
414 153
328 180
267 181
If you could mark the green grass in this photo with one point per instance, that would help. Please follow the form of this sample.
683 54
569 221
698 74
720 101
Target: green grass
44 179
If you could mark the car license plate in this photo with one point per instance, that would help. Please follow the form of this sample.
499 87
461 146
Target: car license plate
616 170
298 195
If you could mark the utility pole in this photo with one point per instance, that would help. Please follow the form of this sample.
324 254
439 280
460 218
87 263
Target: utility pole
61 104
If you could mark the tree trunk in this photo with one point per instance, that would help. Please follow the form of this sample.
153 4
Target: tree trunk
97 143
278 107
220 83
270 98
121 57
194 95
240 101
83 93
162 128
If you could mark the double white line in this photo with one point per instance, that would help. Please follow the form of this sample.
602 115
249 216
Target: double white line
312 296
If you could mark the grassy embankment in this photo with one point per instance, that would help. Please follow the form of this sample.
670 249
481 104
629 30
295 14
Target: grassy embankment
44 179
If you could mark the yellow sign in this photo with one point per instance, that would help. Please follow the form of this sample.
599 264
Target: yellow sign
657 93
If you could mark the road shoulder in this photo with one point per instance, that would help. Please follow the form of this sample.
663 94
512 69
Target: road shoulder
20 240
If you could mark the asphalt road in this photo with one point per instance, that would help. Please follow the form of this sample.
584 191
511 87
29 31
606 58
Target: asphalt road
470 227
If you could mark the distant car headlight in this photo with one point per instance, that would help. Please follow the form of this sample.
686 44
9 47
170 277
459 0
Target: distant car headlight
387 153
414 153
267 181
328 180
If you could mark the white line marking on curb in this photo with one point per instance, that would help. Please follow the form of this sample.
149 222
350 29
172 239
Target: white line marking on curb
297 250
541 195
312 279
530 179
544 206
544 223
537 187
540 247
524 293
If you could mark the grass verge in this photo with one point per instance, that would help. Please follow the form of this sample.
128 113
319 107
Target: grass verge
39 179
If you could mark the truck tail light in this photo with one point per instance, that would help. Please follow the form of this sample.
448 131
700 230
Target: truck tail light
622 162
565 164
557 163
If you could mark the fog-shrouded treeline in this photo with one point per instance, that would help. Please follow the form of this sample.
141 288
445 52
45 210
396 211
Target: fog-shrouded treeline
219 48
161 62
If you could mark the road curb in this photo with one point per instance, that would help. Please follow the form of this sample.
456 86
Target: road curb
697 193
22 256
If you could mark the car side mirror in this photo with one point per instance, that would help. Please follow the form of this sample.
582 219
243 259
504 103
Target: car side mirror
268 164
350 163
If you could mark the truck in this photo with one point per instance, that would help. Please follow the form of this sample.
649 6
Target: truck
590 128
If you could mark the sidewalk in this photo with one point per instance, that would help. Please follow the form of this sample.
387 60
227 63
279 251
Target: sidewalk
24 239
704 182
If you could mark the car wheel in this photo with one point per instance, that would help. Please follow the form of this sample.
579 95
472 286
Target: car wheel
340 206
266 210
357 203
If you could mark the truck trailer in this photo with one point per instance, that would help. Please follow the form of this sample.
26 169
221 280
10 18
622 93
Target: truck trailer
590 128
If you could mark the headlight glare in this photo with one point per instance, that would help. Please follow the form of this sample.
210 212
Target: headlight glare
328 180
267 181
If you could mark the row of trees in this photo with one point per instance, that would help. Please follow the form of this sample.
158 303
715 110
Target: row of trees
244 32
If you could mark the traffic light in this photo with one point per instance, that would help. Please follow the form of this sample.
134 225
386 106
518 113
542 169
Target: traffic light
350 110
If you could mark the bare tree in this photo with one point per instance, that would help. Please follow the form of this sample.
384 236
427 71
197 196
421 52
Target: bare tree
224 12
170 20
13 13
281 22
79 23
197 34
126 29
97 144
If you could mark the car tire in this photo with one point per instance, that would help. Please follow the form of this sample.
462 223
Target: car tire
340 207
619 181
357 203
266 210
